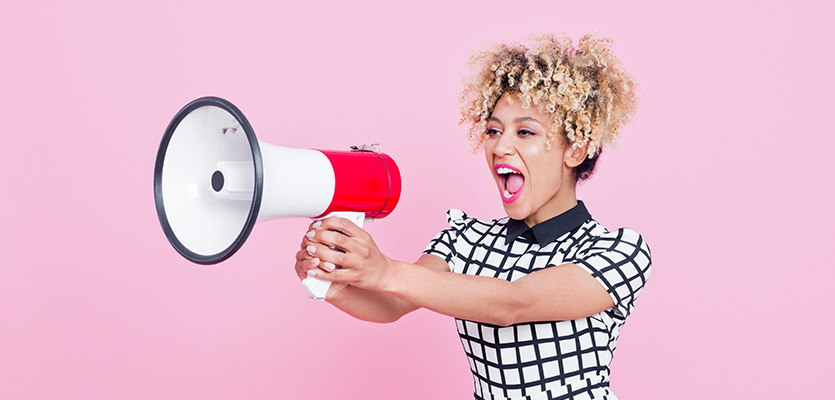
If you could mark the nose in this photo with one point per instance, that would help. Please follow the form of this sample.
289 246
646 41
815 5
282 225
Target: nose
504 146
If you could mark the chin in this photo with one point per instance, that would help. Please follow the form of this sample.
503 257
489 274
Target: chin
515 212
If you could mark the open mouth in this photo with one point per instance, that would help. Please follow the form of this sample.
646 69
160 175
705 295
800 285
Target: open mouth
511 182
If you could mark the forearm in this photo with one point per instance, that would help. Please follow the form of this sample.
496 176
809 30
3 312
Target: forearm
556 293
476 298
369 305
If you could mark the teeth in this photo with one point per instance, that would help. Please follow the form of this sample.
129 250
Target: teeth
507 194
505 170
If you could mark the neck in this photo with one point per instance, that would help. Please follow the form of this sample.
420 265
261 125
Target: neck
563 201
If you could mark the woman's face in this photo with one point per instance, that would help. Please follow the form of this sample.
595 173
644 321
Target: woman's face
534 182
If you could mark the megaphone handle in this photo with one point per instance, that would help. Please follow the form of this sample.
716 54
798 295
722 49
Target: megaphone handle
317 288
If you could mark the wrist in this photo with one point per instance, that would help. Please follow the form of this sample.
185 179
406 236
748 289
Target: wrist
336 293
394 277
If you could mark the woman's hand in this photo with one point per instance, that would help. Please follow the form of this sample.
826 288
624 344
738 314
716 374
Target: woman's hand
336 241
306 262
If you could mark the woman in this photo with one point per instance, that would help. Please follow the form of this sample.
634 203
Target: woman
539 296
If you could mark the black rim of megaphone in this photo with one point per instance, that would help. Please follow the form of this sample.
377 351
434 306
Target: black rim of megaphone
259 179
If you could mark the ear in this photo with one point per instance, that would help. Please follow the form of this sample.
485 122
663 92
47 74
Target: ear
575 156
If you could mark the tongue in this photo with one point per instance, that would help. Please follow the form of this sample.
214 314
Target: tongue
514 183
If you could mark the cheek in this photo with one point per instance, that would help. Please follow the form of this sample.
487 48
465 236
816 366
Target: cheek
488 152
546 168
488 156
548 177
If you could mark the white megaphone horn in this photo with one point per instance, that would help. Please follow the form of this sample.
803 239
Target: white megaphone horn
213 180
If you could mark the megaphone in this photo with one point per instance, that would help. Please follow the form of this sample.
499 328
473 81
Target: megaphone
213 181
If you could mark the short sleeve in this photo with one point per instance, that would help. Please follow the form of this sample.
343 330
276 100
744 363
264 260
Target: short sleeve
621 262
443 244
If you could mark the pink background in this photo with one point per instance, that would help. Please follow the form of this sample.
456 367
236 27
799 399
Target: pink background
727 172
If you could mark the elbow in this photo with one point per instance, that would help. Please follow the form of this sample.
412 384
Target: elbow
514 310
505 319
377 319
503 322
508 318
390 317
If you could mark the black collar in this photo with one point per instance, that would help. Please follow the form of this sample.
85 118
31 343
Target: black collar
548 231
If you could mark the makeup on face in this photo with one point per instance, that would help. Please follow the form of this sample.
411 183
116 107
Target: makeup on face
528 175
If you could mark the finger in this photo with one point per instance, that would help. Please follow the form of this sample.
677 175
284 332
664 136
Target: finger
327 255
327 266
337 276
310 247
333 239
305 263
315 224
302 255
340 224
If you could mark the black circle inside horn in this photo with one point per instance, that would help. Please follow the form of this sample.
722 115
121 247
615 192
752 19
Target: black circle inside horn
252 217
217 181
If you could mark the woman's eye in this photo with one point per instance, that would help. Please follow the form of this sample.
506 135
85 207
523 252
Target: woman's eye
526 132
492 132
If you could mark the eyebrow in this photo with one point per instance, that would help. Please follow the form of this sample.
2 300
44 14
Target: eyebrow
516 120
523 119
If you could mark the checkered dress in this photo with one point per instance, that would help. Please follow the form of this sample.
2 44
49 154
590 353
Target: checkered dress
545 360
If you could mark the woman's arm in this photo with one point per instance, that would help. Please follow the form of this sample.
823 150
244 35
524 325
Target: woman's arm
558 293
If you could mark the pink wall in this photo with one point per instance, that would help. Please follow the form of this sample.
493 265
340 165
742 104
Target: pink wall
726 172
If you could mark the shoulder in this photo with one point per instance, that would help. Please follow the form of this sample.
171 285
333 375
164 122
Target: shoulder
592 236
463 232
600 248
471 230
619 260
615 247
460 221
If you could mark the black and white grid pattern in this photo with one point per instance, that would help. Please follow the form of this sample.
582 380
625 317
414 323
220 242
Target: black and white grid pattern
545 360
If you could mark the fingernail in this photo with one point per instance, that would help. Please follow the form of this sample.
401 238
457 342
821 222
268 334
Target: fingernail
310 234
311 273
311 249
328 266
316 224
314 261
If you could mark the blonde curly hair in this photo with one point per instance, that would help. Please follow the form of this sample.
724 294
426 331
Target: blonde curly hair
583 88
